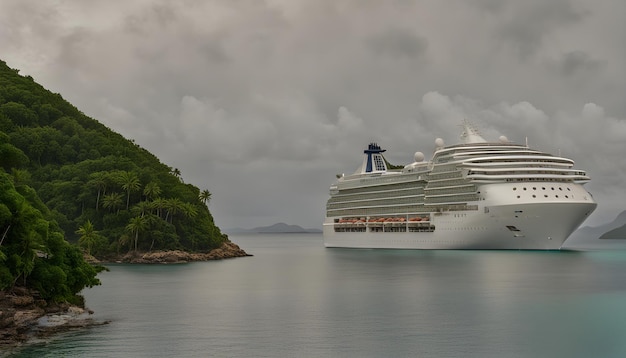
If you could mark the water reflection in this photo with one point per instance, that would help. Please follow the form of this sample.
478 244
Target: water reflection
296 298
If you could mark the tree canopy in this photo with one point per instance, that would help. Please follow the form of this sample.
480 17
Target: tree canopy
33 251
67 178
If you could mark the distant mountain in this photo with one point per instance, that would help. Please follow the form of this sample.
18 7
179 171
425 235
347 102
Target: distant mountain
618 232
273 229
599 231
615 234
589 236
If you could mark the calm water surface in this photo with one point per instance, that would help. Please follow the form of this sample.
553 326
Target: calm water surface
295 298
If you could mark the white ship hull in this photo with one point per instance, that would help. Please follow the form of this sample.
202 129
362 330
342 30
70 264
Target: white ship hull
497 224
475 195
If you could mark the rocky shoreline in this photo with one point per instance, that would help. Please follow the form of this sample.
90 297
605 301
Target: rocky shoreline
24 316
228 250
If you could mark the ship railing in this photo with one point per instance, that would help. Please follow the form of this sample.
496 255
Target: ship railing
356 188
411 223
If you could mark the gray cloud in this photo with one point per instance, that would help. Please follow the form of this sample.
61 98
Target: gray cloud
578 63
397 42
526 27
263 102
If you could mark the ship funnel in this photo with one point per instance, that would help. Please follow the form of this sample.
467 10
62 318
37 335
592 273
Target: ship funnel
470 134
374 161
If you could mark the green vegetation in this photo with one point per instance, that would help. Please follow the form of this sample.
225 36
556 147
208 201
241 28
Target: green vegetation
392 166
67 181
33 252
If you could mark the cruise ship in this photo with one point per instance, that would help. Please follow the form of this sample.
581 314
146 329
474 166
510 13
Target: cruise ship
473 195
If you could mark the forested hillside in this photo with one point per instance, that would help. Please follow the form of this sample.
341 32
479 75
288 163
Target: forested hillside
103 192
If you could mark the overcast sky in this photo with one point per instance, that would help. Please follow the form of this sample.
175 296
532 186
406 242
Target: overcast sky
263 102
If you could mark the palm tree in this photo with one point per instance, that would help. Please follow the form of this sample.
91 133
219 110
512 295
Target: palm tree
4 234
100 183
189 210
129 182
173 206
142 208
151 190
112 201
123 240
159 204
176 172
205 196
27 263
136 225
88 236
20 176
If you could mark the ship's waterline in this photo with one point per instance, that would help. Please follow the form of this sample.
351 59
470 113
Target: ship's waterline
475 195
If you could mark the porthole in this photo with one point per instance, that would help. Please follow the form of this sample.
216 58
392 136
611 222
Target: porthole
556 196
546 195
534 196
514 188
543 188
567 197
561 189
524 188
518 196
534 188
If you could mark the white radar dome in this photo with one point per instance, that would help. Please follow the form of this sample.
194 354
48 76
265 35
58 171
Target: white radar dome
419 157
439 142
503 139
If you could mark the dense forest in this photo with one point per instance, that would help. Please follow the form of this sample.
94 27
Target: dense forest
68 182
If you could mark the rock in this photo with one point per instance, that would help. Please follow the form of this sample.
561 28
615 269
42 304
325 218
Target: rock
90 259
226 251
23 316
27 317
22 301
75 311
20 291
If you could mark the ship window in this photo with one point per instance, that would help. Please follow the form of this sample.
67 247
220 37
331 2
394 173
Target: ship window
534 196
518 196
560 188
556 196
514 188
378 162
568 189
567 196
534 188
543 188
546 195
524 188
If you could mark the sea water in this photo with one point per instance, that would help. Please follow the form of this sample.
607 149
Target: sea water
294 298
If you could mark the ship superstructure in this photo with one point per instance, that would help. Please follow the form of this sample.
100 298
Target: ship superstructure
473 195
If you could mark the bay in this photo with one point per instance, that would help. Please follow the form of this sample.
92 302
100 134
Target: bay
294 298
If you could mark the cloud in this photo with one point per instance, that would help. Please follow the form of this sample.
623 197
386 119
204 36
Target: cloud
525 26
263 102
348 121
577 63
398 43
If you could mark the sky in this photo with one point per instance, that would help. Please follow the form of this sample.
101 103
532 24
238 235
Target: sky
263 102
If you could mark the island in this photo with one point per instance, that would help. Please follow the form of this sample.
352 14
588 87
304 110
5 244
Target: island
75 194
